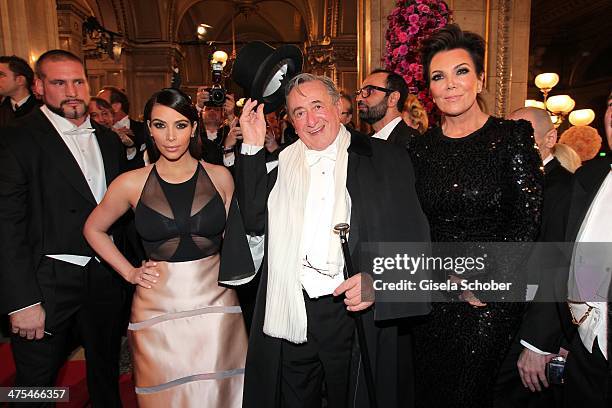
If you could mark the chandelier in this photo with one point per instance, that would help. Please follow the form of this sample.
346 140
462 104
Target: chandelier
559 107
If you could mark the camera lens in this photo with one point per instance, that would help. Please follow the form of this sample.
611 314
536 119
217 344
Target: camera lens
217 96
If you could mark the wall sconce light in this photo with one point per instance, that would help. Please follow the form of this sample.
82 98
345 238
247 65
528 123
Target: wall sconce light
103 39
202 30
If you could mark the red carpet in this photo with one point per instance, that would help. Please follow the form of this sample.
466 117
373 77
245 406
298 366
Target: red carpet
71 375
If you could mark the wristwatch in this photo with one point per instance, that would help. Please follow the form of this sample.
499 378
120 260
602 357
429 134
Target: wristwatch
228 149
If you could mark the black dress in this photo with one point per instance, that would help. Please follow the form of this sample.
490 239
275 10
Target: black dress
485 187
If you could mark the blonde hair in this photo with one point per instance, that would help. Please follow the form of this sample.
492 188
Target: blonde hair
415 112
583 139
567 157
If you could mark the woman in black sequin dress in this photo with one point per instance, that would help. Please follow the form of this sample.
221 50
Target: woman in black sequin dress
478 180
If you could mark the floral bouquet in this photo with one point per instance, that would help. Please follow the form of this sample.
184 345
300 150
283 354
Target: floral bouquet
409 24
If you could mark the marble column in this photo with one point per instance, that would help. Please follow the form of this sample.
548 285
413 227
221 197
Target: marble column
17 18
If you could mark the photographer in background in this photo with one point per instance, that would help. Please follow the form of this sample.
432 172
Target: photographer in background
215 126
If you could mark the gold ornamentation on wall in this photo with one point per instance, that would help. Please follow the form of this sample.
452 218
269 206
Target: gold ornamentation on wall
503 57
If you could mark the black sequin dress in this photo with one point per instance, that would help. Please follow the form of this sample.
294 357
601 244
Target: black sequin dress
485 187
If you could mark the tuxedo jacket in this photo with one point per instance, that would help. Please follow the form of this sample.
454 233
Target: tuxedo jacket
545 324
44 203
401 134
588 180
7 115
385 208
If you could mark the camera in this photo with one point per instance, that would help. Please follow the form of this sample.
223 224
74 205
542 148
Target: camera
216 93
555 369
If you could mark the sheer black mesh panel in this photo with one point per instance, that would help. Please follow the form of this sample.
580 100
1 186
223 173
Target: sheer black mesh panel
154 198
204 192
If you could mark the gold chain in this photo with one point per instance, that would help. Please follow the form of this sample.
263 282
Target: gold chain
584 316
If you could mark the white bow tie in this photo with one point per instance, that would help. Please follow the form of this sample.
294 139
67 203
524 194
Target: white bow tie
80 132
314 156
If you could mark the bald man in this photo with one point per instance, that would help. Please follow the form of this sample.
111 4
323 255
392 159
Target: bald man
542 335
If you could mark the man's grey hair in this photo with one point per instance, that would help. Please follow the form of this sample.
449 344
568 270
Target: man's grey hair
305 77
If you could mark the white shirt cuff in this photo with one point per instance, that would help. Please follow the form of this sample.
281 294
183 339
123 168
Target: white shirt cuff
228 159
250 150
130 152
24 308
534 349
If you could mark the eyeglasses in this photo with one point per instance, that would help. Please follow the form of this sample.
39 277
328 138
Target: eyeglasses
367 90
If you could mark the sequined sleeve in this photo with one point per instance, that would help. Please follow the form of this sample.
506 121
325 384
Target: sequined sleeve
523 181
522 177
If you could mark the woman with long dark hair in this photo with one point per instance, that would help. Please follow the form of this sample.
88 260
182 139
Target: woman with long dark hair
479 180
186 331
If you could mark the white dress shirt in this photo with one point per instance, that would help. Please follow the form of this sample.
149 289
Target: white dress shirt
387 129
318 215
596 227
212 135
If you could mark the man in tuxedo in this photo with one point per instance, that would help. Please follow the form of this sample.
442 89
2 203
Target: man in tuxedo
54 168
588 369
16 79
302 333
130 131
380 101
541 336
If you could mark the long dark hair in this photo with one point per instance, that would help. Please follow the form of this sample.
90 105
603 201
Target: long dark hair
180 102
451 37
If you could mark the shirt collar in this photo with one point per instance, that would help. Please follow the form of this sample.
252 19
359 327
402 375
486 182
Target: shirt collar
63 125
386 131
122 123
19 103
547 159
330 152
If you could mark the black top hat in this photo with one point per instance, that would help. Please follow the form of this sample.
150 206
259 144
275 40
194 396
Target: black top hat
263 71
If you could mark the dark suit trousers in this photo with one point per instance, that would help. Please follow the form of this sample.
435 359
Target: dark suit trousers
586 377
324 359
84 306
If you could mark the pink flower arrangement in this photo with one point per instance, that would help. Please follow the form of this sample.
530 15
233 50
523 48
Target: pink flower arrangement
409 23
